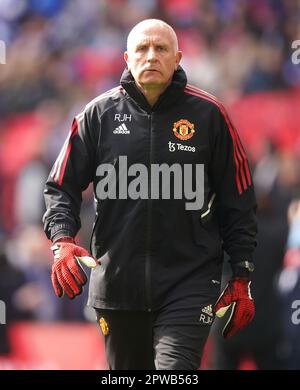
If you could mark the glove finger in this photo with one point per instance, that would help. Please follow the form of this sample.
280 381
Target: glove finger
56 286
248 311
71 280
78 272
240 317
245 312
65 285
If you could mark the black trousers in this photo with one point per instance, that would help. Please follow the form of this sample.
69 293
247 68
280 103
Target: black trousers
137 340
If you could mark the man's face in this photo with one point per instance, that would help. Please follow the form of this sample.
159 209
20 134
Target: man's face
152 56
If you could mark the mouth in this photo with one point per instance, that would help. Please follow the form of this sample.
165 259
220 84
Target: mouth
151 70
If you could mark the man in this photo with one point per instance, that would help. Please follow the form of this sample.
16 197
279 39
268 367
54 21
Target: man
158 258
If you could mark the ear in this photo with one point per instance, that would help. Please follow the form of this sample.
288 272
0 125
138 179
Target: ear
178 59
126 58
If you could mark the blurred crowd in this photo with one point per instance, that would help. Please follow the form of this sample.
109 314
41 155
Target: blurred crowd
62 53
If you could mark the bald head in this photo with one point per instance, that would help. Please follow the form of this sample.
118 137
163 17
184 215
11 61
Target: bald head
152 56
149 25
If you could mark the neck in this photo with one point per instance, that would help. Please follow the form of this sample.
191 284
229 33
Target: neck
152 92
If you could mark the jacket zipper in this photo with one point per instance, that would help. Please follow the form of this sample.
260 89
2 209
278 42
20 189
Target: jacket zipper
149 226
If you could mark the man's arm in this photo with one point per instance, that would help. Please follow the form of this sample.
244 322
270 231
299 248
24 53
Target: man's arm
233 184
70 176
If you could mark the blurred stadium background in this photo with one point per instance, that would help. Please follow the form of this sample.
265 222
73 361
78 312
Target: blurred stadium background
61 54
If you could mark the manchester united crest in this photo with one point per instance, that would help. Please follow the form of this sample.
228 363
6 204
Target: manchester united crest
104 326
183 129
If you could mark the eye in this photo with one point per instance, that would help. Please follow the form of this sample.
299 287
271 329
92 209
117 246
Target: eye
141 48
161 48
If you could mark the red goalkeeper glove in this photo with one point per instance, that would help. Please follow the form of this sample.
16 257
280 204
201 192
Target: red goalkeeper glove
237 295
68 275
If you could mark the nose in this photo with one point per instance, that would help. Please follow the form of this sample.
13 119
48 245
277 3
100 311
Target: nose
151 55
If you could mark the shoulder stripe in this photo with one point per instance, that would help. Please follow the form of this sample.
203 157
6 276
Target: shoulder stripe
241 163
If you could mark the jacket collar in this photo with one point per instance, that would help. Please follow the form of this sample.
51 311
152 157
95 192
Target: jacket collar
167 98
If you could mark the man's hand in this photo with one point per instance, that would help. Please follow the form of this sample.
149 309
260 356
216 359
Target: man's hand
237 295
68 275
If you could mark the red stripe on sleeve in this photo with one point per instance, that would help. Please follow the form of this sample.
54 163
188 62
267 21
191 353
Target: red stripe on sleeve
242 166
61 167
236 154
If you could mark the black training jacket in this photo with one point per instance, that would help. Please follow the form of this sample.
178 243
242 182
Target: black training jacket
154 251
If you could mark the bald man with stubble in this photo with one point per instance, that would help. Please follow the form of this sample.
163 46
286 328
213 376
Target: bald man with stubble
173 191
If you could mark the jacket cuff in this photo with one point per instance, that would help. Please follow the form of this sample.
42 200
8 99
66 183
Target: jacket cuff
240 272
240 265
241 256
61 230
